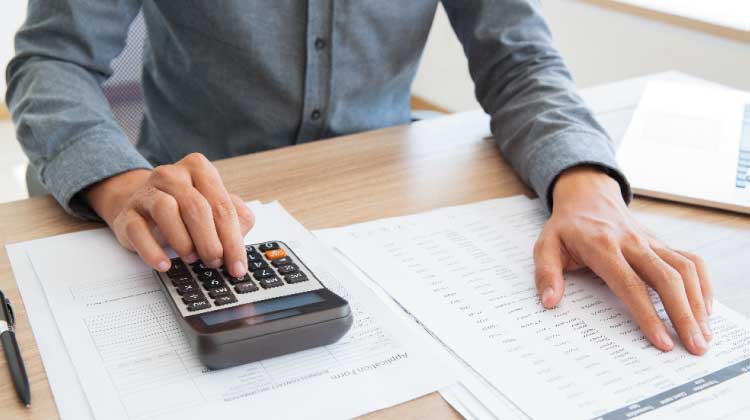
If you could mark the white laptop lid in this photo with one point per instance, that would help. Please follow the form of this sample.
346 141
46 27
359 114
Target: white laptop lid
683 141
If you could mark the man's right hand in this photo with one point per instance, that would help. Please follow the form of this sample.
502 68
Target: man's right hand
184 205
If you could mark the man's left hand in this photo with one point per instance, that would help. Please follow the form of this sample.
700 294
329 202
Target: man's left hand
592 227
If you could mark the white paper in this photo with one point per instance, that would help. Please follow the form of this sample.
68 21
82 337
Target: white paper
133 362
62 377
466 273
472 396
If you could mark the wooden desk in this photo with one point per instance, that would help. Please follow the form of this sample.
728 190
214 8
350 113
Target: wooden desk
388 172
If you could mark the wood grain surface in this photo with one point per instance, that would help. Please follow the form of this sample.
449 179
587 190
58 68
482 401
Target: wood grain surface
389 172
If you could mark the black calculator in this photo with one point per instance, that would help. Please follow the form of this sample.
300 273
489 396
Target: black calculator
279 307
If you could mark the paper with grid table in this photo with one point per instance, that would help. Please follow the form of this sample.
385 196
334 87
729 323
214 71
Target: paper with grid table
466 274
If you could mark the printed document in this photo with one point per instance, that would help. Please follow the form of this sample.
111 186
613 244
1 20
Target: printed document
132 360
466 273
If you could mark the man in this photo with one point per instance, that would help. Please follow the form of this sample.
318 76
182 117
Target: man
238 76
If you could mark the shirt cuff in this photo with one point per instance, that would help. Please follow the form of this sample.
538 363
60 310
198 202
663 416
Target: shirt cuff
570 149
85 162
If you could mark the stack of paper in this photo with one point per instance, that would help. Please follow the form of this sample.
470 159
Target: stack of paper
113 350
466 275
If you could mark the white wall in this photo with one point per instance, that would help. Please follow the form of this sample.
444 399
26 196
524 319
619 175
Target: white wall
599 46
11 18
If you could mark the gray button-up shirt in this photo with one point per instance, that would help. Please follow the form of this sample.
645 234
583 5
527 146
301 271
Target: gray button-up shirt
238 76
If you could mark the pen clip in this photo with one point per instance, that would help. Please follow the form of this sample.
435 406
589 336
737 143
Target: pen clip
9 311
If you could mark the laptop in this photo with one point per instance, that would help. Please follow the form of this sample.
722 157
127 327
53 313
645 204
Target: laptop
690 143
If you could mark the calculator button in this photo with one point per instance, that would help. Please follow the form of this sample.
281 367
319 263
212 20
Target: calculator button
263 273
253 257
275 254
282 261
208 275
183 279
225 300
295 277
213 284
257 265
187 288
198 305
269 282
288 268
236 280
267 246
192 297
178 268
199 266
219 291
246 287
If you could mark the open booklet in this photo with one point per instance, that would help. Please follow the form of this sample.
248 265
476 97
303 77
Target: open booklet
113 350
465 274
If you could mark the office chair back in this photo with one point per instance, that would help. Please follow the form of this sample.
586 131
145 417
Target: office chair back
122 90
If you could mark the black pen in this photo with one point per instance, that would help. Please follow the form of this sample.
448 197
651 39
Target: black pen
12 353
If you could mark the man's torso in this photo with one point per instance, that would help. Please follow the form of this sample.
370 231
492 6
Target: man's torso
233 77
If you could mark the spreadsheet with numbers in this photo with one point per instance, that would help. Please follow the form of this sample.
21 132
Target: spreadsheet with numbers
467 274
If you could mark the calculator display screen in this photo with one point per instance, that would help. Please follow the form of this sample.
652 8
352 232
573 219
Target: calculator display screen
260 308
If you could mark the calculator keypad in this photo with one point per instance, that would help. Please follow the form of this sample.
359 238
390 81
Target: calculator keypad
269 282
272 272
295 277
246 287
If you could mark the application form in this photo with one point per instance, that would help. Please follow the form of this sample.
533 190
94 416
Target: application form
132 361
466 273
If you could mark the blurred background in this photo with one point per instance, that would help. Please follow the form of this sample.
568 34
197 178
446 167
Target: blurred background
601 40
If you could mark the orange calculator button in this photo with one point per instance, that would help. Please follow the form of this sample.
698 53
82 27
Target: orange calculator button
275 254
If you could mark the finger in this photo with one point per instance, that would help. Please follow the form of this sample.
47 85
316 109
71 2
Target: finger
607 261
669 284
244 214
165 212
195 211
143 242
689 273
207 181
548 260
706 287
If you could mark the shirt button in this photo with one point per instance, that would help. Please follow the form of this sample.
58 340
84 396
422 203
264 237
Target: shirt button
320 43
315 115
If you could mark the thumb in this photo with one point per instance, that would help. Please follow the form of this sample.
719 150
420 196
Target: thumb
548 260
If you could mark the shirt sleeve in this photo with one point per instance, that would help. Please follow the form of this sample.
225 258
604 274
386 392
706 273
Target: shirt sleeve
63 121
541 125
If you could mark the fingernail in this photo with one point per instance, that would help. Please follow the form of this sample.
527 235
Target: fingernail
215 263
665 340
238 269
190 258
547 295
163 266
707 334
699 342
